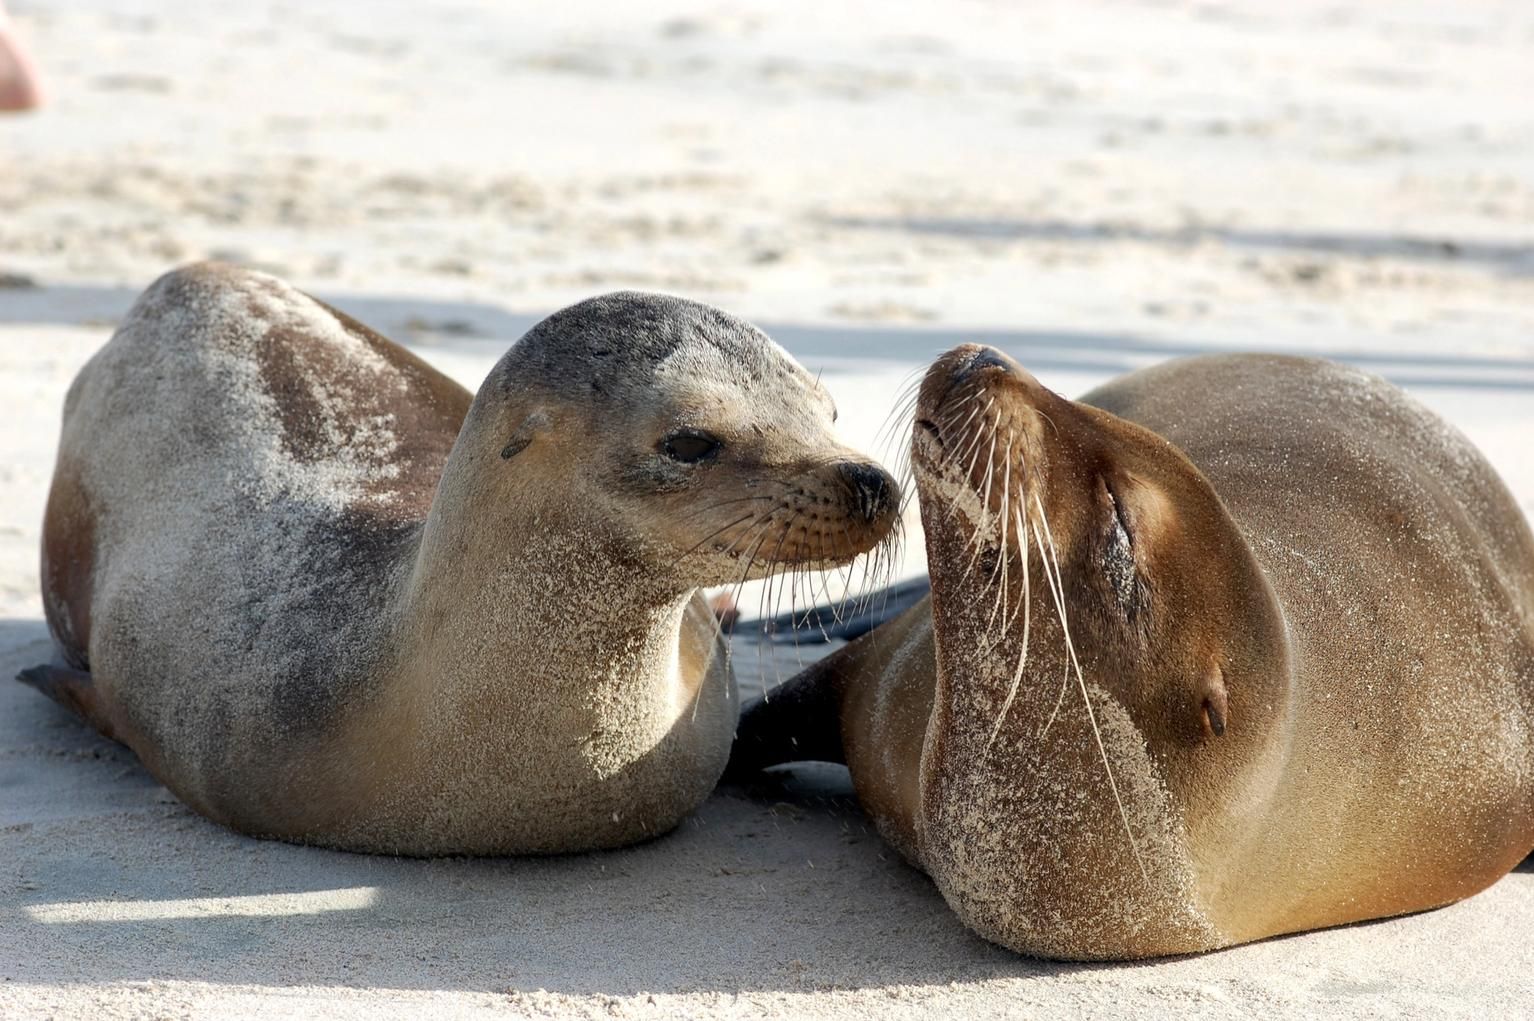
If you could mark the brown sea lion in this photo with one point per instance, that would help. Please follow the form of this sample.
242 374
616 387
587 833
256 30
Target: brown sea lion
329 598
1231 647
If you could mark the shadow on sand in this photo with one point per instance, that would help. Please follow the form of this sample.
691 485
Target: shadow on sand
782 887
1513 258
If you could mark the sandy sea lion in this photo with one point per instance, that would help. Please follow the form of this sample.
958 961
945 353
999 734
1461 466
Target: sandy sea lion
1234 646
327 598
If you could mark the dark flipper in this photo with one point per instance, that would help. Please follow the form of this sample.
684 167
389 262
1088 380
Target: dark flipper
74 690
799 720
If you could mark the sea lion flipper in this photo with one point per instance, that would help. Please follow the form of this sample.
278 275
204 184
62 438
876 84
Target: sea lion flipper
798 721
73 689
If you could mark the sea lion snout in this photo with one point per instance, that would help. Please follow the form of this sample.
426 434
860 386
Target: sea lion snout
985 357
971 369
982 424
874 492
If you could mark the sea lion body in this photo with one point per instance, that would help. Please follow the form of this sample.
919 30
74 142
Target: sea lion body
1303 611
328 597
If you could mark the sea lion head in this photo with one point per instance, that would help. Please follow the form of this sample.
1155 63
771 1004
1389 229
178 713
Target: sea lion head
688 435
1111 663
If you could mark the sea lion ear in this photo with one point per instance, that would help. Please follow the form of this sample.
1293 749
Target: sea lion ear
531 426
1216 706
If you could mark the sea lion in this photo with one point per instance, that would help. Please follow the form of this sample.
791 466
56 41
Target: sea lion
328 598
1233 646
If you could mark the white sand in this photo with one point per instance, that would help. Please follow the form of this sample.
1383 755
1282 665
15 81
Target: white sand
1092 187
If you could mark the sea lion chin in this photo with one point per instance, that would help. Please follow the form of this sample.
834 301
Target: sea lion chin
1231 647
328 597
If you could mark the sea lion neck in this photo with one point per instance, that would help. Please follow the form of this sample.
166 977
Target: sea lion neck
1103 633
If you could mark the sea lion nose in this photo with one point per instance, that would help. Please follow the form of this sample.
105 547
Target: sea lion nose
985 358
872 488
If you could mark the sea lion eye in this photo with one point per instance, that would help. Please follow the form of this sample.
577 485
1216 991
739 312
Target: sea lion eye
1119 560
689 446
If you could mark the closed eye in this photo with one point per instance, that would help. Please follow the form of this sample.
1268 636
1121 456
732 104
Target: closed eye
1119 558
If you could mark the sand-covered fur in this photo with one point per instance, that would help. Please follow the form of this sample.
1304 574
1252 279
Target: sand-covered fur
327 598
1234 646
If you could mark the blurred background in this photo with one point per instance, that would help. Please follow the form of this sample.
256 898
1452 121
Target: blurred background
1090 185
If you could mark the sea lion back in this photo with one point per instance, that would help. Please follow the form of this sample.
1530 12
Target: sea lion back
234 437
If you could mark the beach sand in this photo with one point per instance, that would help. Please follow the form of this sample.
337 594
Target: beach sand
1092 187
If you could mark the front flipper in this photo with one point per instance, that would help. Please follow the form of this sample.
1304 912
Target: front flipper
74 690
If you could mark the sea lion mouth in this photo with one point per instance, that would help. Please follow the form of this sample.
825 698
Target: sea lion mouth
973 436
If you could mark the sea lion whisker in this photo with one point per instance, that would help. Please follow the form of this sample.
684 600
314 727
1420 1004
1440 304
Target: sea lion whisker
803 577
711 536
967 473
796 576
788 483
816 579
985 507
864 591
700 511
740 585
853 583
946 422
1004 557
759 533
745 575
1027 611
882 571
979 434
873 568
904 406
910 383
828 597
749 520
1056 594
823 598
1065 686
844 606
764 520
862 580
973 453
905 401
1020 540
769 605
1086 698
773 562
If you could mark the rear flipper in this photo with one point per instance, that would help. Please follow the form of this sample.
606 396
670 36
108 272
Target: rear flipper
74 690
